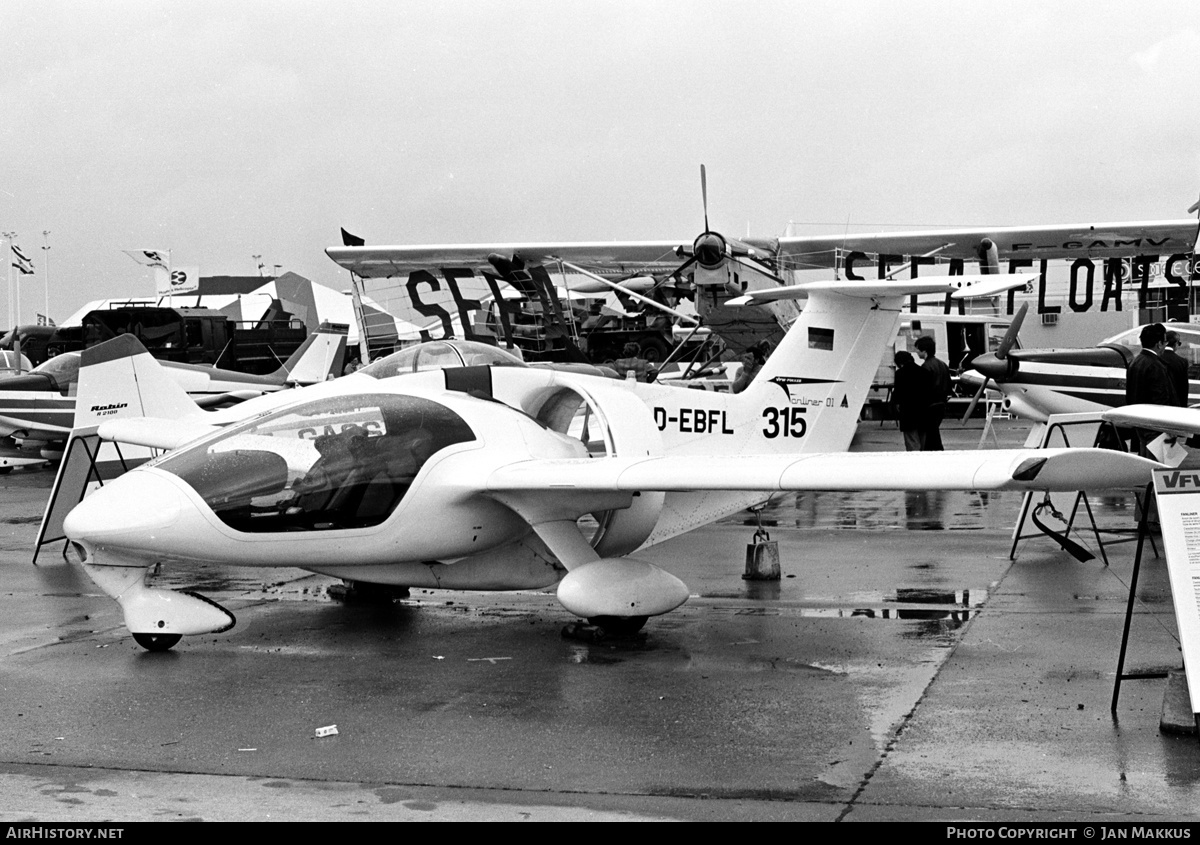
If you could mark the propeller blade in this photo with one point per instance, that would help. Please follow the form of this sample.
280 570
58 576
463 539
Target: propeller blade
704 195
1010 336
975 400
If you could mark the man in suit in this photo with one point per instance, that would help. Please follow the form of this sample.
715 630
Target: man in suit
939 391
1147 380
910 400
1177 367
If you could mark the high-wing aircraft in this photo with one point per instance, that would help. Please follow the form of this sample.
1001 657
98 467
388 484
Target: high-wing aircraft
448 283
511 477
1036 383
37 409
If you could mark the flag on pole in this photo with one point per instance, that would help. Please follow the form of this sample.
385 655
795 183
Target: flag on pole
150 257
178 280
22 261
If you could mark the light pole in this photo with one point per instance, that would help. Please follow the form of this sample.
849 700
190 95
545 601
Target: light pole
9 236
46 262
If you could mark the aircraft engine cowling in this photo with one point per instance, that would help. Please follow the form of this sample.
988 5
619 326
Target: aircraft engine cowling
620 587
616 425
989 256
709 250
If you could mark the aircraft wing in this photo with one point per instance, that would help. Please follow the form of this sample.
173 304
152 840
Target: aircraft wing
1075 240
33 430
998 469
1094 240
384 261
1166 418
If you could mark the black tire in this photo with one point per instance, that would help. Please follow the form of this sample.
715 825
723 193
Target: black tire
157 642
654 350
619 626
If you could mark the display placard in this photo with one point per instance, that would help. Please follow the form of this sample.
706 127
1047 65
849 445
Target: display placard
1178 495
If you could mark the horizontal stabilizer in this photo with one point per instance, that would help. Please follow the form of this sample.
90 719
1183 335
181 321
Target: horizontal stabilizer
154 432
229 397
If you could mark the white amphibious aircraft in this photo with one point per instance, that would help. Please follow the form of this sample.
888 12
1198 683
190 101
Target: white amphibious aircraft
448 283
513 477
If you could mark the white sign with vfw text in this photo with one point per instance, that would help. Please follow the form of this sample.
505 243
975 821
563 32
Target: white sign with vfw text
1178 495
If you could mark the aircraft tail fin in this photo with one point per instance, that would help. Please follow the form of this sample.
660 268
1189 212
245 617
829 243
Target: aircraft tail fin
815 383
119 378
322 355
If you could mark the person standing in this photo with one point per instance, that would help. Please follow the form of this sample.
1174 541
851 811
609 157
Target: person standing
1177 367
939 391
910 400
1148 382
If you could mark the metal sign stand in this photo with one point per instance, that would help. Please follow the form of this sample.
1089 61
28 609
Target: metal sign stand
1101 432
1143 532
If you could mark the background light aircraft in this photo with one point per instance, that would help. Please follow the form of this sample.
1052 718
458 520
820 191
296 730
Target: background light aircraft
1036 383
450 283
518 477
13 363
37 409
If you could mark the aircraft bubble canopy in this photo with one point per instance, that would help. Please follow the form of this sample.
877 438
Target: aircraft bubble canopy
332 463
441 355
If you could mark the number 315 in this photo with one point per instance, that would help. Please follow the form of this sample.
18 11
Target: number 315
785 422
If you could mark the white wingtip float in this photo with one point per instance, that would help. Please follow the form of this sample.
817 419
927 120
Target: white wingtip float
481 477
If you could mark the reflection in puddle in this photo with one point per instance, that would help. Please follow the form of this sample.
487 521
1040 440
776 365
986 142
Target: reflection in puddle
934 510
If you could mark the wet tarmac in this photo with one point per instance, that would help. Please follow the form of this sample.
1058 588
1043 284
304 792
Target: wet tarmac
902 669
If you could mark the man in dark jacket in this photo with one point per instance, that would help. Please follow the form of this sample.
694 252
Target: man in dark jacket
910 400
1148 382
1177 367
940 385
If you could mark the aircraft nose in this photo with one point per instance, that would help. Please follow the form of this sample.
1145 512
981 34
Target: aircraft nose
709 249
135 509
997 369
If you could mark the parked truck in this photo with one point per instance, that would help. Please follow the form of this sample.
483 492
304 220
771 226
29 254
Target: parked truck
190 336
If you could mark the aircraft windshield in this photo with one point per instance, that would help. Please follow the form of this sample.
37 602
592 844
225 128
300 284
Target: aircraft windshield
342 462
13 361
439 355
64 369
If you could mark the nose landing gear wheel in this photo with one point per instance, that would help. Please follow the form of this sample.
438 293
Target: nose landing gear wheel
619 626
157 642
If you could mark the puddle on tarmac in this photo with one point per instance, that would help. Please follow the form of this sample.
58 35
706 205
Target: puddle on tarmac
875 510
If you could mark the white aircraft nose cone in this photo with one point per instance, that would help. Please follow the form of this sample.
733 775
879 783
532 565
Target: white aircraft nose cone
137 506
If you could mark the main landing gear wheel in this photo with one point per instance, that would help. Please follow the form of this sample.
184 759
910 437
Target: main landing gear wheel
157 642
619 626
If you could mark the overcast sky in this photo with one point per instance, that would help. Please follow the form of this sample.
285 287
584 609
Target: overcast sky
221 130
